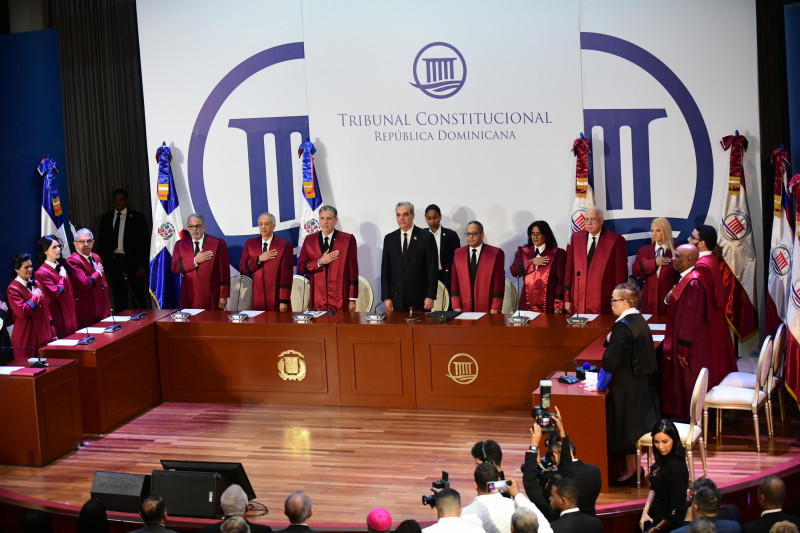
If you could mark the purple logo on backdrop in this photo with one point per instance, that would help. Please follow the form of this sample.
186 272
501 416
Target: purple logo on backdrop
638 120
439 70
255 129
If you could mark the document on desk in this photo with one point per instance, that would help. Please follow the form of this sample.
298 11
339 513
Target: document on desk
658 327
530 314
470 316
92 330
115 318
658 338
250 312
646 316
64 342
7 370
192 312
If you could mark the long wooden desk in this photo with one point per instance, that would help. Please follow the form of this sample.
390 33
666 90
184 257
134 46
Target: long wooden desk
118 373
268 358
41 415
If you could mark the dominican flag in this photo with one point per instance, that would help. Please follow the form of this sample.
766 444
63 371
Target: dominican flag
781 246
312 199
165 287
584 197
792 372
738 250
52 208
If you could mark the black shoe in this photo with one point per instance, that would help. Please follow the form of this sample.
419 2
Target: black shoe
623 482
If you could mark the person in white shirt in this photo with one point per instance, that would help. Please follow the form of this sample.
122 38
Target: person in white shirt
448 511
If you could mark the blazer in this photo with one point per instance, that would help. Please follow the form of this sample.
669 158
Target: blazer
408 280
299 529
135 239
577 523
764 523
448 244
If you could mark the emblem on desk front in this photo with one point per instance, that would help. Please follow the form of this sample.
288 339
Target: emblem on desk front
291 366
462 368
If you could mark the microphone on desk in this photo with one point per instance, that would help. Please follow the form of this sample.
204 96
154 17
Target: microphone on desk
580 373
518 319
577 319
374 316
116 327
303 316
88 339
140 315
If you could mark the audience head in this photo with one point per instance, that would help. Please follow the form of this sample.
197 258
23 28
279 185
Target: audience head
297 507
771 492
235 524
666 440
702 525
408 526
448 503
485 473
487 450
379 520
233 501
704 237
153 510
539 233
706 501
784 526
36 521
564 494
93 518
524 521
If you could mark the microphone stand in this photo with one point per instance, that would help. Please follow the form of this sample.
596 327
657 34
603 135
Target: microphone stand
374 316
140 315
577 320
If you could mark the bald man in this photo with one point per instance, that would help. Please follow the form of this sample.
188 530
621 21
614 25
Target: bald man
690 334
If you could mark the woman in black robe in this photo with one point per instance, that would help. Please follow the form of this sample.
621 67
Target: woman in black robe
628 364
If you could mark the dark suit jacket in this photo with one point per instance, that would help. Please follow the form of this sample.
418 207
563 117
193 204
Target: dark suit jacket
577 523
723 526
135 240
408 280
299 529
588 477
762 525
153 528
254 528
450 242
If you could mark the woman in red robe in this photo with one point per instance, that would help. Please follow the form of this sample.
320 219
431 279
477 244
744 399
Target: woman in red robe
52 276
653 267
32 324
542 263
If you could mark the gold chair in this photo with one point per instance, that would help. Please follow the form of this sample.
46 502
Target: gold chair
442 301
301 294
509 297
690 433
744 399
365 296
241 294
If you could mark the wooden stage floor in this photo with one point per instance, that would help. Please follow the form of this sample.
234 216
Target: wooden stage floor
348 459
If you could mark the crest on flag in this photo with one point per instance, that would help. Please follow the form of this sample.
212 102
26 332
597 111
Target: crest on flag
312 198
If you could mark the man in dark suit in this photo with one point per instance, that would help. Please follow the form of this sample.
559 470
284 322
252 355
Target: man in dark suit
705 504
297 509
154 513
771 493
447 242
587 476
234 503
408 268
564 500
124 247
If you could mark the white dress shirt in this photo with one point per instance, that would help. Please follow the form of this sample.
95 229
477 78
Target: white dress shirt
437 236
596 241
453 524
493 512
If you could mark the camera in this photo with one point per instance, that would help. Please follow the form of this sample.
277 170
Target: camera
440 484
544 418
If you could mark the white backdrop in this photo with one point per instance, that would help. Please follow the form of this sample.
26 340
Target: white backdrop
226 87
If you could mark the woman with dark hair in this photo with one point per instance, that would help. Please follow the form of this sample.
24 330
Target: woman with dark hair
542 263
53 278
653 267
93 518
32 328
628 365
666 505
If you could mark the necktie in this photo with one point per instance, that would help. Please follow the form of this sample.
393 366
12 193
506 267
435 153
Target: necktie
116 228
660 252
536 253
196 247
325 246
591 252
405 243
264 247
473 266
91 260
30 285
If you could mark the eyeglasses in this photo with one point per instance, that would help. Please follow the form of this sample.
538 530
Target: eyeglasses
537 234
86 241
472 234
592 220
616 300
195 226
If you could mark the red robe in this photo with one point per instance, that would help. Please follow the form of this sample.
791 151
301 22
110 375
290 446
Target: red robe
32 324
272 280
655 285
92 301
709 266
489 280
331 288
609 268
203 286
59 299
694 332
543 289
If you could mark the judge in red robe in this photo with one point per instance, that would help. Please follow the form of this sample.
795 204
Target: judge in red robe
92 299
597 261
32 323
329 258
202 261
478 282
269 259
542 263
57 288
692 337
653 267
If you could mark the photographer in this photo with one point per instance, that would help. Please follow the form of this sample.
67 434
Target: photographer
536 476
448 511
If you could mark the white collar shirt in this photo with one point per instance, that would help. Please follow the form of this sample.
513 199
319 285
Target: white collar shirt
589 238
437 236
493 512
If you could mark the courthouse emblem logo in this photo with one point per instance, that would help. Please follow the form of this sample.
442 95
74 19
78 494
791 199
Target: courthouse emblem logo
439 70
735 226
781 261
579 219
462 368
796 294
291 366
166 231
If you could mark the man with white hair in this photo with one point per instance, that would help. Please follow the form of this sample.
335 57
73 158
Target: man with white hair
92 299
597 261
269 260
234 504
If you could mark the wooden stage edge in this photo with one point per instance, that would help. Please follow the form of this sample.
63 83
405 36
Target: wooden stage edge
351 459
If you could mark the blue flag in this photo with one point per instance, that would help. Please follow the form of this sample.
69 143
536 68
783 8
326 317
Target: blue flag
52 208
